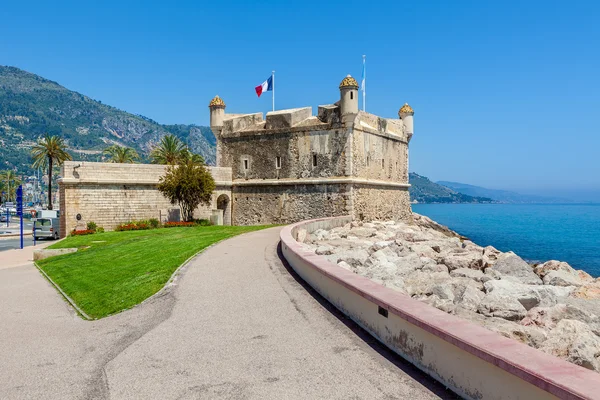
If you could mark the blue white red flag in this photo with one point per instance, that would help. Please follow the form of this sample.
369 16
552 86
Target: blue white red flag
266 86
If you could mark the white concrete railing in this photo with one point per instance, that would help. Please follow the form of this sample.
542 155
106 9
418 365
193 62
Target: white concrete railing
474 362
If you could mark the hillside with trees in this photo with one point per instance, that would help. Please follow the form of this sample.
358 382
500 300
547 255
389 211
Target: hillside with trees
32 106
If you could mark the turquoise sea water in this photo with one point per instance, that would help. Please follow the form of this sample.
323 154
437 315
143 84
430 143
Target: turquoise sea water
536 232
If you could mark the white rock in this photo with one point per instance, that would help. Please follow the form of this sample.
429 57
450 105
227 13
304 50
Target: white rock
494 305
509 264
469 298
443 291
324 250
574 341
354 257
474 274
563 278
301 235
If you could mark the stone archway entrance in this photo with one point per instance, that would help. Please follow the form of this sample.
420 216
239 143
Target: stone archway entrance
223 203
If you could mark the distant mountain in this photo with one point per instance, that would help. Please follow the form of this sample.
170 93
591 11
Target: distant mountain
423 190
31 106
502 196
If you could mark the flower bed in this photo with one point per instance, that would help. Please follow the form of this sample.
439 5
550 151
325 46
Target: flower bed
83 232
178 224
132 226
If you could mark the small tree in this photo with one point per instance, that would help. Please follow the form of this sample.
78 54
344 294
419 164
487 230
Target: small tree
188 183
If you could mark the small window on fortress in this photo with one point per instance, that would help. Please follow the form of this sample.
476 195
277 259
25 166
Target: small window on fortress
368 160
278 162
351 95
314 160
246 164
382 163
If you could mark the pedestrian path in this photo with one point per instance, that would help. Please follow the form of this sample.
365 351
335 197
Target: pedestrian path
236 324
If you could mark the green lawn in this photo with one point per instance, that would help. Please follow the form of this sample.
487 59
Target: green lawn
121 269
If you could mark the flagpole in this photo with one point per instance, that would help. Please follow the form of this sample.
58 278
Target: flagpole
364 82
273 94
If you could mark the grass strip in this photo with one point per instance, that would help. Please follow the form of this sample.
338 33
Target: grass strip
114 271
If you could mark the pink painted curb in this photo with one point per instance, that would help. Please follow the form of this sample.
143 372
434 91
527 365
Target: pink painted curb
549 373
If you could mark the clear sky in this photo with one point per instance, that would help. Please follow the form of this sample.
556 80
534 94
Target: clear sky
506 94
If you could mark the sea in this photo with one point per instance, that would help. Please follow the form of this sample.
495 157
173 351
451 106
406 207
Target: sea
536 232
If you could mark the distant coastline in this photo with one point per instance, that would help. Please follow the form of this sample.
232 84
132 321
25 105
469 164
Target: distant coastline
536 232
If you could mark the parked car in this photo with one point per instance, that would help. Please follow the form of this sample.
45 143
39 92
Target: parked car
46 228
3 218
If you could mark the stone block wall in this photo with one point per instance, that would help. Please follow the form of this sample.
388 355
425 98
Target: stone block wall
110 194
284 204
381 203
298 149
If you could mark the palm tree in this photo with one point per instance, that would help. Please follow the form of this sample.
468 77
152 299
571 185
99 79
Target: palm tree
9 184
187 155
120 154
169 151
48 151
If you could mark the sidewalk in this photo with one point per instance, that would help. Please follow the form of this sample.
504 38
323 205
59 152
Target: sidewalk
20 257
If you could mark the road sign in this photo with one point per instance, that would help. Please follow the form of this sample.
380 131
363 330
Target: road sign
20 209
20 200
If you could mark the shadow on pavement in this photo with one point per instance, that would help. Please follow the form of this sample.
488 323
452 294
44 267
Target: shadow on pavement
427 381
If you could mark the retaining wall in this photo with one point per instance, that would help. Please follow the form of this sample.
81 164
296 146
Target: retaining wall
474 362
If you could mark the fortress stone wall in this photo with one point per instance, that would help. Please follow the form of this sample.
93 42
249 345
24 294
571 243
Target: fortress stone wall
110 194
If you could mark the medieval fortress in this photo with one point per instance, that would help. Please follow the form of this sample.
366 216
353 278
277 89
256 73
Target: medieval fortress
287 167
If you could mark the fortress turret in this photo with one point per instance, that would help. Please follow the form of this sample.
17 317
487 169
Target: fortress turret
217 113
348 96
406 115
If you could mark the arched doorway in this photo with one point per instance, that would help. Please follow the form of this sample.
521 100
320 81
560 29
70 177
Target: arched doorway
223 203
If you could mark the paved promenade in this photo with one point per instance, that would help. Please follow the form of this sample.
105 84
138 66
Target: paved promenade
236 325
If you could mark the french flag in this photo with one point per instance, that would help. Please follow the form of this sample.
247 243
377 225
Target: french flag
266 86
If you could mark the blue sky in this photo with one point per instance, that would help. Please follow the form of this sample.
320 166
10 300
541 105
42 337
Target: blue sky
506 94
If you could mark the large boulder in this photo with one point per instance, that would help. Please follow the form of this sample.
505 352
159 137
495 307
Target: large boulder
509 264
354 257
474 274
589 291
529 335
420 283
494 305
463 259
574 341
468 297
528 295
565 278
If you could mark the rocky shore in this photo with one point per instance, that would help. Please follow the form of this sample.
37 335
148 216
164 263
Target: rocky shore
549 306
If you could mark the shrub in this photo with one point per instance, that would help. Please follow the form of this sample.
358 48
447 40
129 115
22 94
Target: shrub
91 226
178 224
82 232
154 223
99 229
203 222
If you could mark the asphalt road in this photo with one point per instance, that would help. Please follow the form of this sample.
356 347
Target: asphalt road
236 324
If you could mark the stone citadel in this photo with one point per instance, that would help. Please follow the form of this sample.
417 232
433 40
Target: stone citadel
287 167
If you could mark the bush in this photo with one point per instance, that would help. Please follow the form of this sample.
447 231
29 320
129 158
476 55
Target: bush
203 222
154 223
178 224
91 226
83 232
99 229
